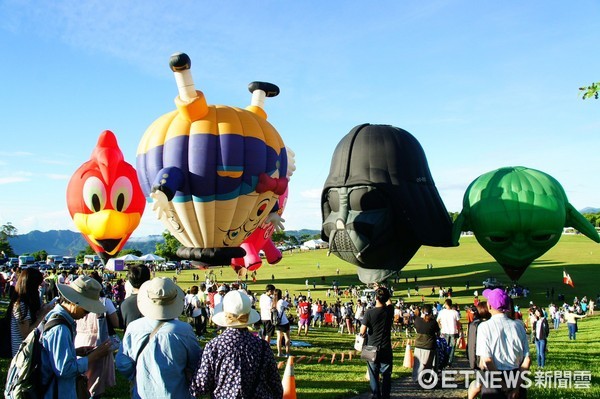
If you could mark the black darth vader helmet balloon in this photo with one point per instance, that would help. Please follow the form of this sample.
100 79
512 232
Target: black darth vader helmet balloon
379 203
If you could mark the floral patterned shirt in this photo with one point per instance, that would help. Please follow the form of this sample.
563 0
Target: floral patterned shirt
237 364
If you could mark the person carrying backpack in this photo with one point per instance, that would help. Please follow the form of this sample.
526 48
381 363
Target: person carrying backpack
60 365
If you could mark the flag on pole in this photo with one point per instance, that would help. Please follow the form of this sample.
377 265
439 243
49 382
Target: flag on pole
567 279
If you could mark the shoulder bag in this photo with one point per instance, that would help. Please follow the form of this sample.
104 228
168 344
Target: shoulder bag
369 353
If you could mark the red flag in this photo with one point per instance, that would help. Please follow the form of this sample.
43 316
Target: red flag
567 279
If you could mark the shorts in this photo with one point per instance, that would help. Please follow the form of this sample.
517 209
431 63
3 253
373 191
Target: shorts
283 327
303 322
268 327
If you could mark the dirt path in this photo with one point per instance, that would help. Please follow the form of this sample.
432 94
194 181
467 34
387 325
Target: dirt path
405 388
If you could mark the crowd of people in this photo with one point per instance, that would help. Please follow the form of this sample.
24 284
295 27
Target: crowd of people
161 356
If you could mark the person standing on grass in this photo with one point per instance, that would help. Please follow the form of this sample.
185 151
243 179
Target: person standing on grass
571 320
481 314
61 363
425 343
159 352
237 364
303 311
377 322
284 326
25 308
136 275
502 346
541 329
449 321
266 303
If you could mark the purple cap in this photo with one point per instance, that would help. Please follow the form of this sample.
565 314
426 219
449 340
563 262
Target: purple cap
497 298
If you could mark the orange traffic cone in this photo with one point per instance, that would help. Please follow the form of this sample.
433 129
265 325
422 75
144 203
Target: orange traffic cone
408 357
289 380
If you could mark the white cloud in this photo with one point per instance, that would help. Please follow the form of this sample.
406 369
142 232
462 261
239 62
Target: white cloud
55 176
13 179
16 154
313 193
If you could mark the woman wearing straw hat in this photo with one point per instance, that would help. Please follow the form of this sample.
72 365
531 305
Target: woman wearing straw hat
237 363
159 351
60 365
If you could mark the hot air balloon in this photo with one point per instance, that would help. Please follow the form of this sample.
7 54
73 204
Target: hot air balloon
214 172
516 215
105 199
379 203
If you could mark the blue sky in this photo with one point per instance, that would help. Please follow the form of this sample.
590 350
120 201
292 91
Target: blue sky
481 85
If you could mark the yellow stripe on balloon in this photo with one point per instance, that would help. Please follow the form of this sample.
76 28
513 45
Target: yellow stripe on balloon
230 173
155 134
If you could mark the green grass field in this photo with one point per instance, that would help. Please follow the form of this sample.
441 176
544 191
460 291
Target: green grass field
452 267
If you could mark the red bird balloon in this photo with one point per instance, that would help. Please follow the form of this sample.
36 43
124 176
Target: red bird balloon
105 199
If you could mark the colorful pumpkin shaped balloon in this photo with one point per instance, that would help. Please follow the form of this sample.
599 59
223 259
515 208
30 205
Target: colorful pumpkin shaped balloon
214 172
516 215
105 199
379 203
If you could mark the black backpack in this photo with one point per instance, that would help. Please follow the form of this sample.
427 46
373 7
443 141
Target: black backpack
189 309
275 317
24 378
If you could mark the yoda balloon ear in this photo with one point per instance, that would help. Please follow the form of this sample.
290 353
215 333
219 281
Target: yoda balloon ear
460 224
580 223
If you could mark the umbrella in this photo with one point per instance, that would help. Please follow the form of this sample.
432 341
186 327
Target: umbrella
151 257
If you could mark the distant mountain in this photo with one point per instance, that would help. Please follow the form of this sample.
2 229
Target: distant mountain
590 210
67 242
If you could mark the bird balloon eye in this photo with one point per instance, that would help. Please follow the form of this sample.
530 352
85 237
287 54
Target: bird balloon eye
94 194
121 193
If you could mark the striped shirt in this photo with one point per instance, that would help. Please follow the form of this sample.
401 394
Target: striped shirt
15 331
504 340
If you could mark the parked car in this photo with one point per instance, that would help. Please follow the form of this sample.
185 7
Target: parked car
492 282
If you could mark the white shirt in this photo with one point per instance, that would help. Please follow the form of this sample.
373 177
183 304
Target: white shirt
448 319
282 305
218 298
504 340
265 302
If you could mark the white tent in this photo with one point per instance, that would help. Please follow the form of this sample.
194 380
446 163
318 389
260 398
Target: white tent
151 257
129 258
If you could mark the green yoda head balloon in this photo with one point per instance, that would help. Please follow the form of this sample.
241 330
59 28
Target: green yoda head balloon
517 214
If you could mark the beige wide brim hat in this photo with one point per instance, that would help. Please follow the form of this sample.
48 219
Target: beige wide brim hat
235 311
84 292
160 299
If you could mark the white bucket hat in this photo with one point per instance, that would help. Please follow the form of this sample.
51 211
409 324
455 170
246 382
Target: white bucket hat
235 311
84 292
160 299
